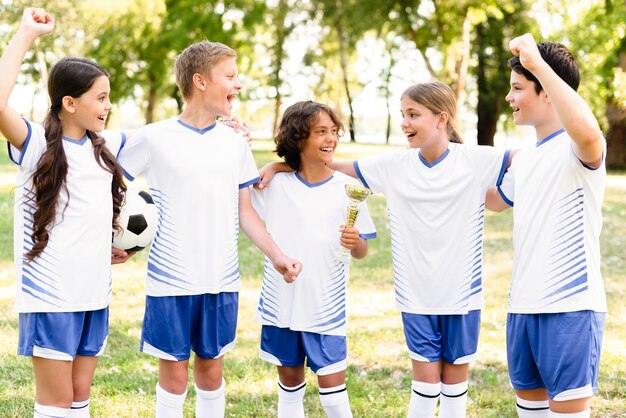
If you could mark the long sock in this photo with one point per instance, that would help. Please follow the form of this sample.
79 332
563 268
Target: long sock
44 411
532 409
211 403
336 402
424 397
584 414
453 400
79 409
290 399
169 405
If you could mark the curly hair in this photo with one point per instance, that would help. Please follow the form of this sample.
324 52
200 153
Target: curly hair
71 76
559 58
295 128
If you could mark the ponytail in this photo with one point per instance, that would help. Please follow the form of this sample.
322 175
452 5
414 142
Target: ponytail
455 137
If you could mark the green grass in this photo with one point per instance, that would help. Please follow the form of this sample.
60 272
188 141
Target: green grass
379 375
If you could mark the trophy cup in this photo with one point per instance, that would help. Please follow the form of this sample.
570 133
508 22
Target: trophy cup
357 194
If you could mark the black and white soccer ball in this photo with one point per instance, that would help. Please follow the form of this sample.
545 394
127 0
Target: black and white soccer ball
138 219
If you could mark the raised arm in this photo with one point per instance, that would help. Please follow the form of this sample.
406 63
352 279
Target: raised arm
253 227
573 112
35 23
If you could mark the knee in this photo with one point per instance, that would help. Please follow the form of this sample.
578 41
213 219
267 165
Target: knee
174 381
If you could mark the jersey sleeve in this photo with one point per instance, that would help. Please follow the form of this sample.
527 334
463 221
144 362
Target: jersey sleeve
364 222
33 148
506 186
374 171
249 174
134 155
491 163
115 140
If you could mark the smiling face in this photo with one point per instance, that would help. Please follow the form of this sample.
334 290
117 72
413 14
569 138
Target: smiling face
320 146
222 86
420 125
529 107
90 110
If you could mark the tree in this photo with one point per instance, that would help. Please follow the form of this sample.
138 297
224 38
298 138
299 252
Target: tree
495 28
601 51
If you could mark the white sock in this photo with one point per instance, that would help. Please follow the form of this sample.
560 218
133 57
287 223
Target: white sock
336 402
80 409
532 409
211 403
290 401
424 397
453 400
169 405
583 414
43 411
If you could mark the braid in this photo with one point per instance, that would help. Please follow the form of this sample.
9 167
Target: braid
107 161
48 180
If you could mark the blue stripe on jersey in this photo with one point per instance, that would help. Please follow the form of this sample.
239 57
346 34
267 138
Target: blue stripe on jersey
401 281
473 282
164 261
567 257
230 269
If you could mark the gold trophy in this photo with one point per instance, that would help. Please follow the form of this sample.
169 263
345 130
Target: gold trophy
357 194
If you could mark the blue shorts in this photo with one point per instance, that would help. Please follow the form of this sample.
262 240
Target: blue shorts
173 326
63 335
325 354
556 351
451 338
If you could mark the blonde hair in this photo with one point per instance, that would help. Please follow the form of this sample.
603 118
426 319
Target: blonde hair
199 58
436 97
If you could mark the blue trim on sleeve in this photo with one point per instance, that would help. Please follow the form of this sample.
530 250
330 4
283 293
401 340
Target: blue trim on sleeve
128 176
588 167
368 236
505 159
506 199
248 183
24 146
121 145
358 173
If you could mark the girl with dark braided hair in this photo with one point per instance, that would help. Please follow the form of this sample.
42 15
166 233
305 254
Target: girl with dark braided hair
67 198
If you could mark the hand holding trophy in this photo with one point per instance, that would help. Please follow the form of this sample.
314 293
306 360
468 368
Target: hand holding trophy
356 194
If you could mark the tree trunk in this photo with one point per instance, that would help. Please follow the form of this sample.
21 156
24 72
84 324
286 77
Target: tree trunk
616 136
463 61
152 98
344 73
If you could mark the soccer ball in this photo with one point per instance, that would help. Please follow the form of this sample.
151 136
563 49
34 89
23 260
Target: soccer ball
138 219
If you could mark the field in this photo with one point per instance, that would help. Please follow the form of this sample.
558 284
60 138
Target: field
379 377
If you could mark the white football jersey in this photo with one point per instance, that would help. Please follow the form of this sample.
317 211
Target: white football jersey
436 215
73 273
194 177
557 217
304 221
